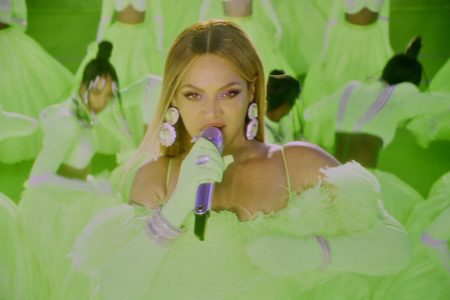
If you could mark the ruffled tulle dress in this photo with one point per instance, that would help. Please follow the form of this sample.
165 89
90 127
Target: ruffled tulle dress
54 209
373 108
115 249
399 198
19 276
30 80
303 28
349 52
137 48
432 127
174 16
428 275
138 53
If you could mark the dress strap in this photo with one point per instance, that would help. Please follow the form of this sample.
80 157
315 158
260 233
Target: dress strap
288 178
376 107
343 104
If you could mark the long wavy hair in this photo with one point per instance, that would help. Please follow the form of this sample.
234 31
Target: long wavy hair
216 37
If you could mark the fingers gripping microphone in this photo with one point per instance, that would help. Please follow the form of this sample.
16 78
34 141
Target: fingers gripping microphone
205 191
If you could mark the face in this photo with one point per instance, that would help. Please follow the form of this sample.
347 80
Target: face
211 93
100 94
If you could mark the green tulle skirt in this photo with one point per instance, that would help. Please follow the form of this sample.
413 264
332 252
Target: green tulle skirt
426 277
116 250
350 52
135 52
30 80
53 211
19 276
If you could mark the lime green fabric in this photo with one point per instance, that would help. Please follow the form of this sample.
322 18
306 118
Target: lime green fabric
427 276
34 81
116 252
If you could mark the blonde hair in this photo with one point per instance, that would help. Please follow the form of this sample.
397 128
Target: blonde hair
217 37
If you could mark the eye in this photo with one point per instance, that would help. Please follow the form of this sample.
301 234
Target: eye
229 94
193 96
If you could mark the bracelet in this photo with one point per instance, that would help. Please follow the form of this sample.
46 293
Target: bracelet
325 245
160 230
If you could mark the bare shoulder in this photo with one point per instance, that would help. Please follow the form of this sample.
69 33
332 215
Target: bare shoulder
304 161
148 188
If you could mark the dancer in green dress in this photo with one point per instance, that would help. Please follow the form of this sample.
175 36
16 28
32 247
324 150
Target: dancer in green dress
61 196
30 79
361 119
282 92
355 47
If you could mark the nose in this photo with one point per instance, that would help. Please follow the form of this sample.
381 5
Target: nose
212 107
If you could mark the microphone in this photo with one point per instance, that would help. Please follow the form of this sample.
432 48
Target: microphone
205 191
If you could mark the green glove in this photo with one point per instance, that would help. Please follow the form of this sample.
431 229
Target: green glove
203 164
381 250
283 256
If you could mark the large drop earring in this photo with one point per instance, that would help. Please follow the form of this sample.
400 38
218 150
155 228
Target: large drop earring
167 132
252 126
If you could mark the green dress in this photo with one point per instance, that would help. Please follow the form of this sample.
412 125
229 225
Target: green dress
31 80
428 275
54 209
349 52
123 262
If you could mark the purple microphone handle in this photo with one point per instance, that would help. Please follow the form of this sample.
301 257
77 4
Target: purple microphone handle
202 199
205 190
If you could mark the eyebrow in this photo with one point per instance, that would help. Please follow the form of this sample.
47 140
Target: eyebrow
222 88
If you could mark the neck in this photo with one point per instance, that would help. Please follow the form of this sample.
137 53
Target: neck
274 116
237 8
243 151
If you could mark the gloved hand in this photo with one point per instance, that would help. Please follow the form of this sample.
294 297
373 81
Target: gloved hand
283 256
203 164
381 250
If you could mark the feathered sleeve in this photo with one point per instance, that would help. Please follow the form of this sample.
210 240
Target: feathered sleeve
346 211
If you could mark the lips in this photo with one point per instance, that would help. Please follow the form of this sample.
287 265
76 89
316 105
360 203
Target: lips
217 125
